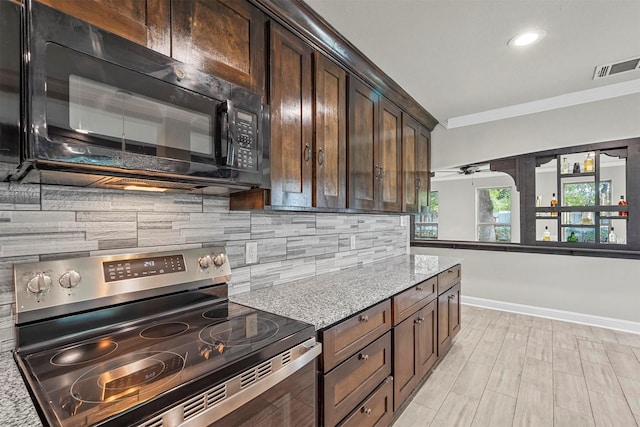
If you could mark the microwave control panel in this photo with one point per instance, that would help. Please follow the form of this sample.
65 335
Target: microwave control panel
246 129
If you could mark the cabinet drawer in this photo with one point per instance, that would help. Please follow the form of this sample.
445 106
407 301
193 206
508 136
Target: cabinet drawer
408 302
348 384
448 278
376 410
341 341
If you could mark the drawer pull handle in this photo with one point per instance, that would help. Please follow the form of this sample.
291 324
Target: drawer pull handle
363 357
452 296
419 288
419 320
366 411
363 318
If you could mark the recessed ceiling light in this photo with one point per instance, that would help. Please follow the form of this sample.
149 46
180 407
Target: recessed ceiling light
527 38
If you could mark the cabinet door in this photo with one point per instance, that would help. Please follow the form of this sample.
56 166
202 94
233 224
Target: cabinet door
427 349
331 134
423 169
363 139
415 351
291 120
454 310
405 364
410 132
444 331
389 158
221 37
145 22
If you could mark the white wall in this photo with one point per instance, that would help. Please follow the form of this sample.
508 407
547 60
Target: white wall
615 118
457 204
593 286
597 287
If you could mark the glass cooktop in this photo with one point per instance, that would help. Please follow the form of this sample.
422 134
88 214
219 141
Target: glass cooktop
92 380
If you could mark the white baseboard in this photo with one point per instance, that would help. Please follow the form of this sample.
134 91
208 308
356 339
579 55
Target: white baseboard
550 313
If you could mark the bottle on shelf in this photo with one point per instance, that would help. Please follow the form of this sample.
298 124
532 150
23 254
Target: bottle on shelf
546 236
553 204
572 237
612 236
622 202
564 167
588 164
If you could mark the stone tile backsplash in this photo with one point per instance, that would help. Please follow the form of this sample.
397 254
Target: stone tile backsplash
39 222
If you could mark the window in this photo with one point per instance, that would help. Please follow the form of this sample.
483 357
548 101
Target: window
494 214
426 225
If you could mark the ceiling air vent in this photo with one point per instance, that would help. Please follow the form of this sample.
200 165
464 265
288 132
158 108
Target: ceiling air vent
616 68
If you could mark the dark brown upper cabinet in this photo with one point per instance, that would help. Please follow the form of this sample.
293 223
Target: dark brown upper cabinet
331 134
374 150
415 165
145 22
291 120
222 37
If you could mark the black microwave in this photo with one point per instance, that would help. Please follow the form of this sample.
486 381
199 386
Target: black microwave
103 111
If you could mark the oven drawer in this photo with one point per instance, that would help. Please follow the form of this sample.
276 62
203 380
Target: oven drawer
348 384
448 278
342 340
376 410
408 302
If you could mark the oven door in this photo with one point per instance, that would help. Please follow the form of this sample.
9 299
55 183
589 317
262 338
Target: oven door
290 403
280 391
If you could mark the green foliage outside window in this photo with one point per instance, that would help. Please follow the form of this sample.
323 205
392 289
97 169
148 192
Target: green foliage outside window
494 214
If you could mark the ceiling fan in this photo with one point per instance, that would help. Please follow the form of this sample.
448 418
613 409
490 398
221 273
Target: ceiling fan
463 170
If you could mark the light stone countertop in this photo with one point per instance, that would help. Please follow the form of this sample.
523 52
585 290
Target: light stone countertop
16 407
329 298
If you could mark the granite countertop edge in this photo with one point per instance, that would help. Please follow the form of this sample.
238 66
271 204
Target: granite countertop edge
328 298
16 406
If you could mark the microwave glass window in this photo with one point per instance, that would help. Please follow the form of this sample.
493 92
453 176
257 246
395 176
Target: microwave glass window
101 109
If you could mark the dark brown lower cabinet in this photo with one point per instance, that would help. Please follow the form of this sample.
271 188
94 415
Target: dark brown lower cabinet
376 410
353 380
448 318
415 350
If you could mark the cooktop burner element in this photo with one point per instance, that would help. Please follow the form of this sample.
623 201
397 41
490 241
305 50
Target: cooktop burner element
84 353
239 332
164 330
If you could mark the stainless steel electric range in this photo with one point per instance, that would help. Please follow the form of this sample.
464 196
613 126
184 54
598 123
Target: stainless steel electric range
152 340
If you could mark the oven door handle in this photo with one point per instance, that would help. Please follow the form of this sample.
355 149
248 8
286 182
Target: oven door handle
235 394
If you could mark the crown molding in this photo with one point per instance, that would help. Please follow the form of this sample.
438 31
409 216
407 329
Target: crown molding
546 104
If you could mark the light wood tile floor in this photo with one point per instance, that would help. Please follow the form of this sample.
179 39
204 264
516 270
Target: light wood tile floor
507 369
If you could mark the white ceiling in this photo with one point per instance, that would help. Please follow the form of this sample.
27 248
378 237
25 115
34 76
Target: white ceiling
452 55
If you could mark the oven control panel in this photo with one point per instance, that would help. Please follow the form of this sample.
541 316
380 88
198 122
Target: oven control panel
61 287
142 267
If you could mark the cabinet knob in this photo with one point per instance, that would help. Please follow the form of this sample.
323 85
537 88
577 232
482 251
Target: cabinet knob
419 288
363 318
307 152
321 157
366 411
452 296
381 173
363 357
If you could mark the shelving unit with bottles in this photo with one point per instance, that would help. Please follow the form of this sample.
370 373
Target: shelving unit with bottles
587 186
